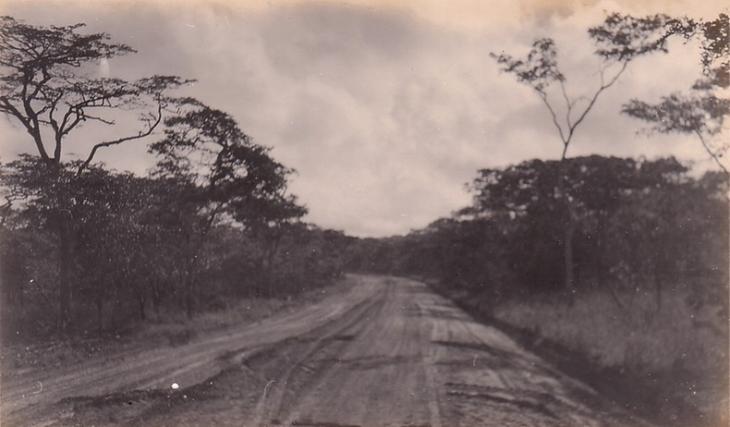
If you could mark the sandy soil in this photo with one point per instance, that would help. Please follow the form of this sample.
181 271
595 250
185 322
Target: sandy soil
388 353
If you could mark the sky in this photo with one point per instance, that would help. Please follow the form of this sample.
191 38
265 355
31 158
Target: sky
386 109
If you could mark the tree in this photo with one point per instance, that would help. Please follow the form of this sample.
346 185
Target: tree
276 219
44 87
701 112
217 173
619 40
97 205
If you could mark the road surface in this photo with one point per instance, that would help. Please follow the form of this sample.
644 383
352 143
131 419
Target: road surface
387 353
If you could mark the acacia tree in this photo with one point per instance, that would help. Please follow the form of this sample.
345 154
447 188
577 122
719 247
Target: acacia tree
619 40
46 87
217 173
701 112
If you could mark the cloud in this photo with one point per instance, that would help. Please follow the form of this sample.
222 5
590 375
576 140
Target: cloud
384 110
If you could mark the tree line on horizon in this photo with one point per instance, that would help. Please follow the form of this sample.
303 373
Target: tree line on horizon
643 227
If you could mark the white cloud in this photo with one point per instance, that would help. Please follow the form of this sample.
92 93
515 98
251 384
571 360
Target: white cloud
384 111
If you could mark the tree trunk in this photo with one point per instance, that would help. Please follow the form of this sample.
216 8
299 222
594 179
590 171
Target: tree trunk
600 258
100 314
156 298
64 279
568 255
658 283
273 249
189 292
191 272
568 230
117 313
141 303
616 298
189 298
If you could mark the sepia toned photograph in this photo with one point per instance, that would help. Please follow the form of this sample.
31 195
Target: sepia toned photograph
364 213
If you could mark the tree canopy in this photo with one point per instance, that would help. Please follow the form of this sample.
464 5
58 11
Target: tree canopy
46 86
702 110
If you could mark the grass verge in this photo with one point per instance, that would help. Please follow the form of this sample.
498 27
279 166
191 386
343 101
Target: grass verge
171 329
667 366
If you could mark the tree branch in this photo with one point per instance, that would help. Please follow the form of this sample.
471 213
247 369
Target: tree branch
711 153
99 119
568 103
143 133
593 100
543 96
31 116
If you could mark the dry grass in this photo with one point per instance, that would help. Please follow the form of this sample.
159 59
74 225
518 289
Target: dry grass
170 329
638 336
177 329
685 347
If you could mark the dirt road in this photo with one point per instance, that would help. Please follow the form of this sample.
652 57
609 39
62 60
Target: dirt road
388 353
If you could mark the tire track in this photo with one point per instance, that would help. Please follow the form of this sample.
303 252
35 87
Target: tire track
198 360
273 408
397 355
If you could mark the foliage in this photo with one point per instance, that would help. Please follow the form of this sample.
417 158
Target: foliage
619 40
133 244
89 243
45 88
206 148
625 37
701 112
651 294
641 227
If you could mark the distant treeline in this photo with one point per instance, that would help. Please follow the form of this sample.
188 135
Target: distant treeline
134 248
640 226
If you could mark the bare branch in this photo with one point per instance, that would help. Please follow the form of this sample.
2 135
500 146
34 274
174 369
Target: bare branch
595 97
141 134
87 116
712 154
568 103
545 100
9 108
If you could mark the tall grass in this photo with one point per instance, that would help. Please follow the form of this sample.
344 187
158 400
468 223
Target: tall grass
170 328
681 347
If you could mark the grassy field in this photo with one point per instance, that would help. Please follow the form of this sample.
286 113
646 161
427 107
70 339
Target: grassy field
680 351
669 364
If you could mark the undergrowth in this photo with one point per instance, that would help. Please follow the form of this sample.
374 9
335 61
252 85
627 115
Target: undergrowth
169 329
